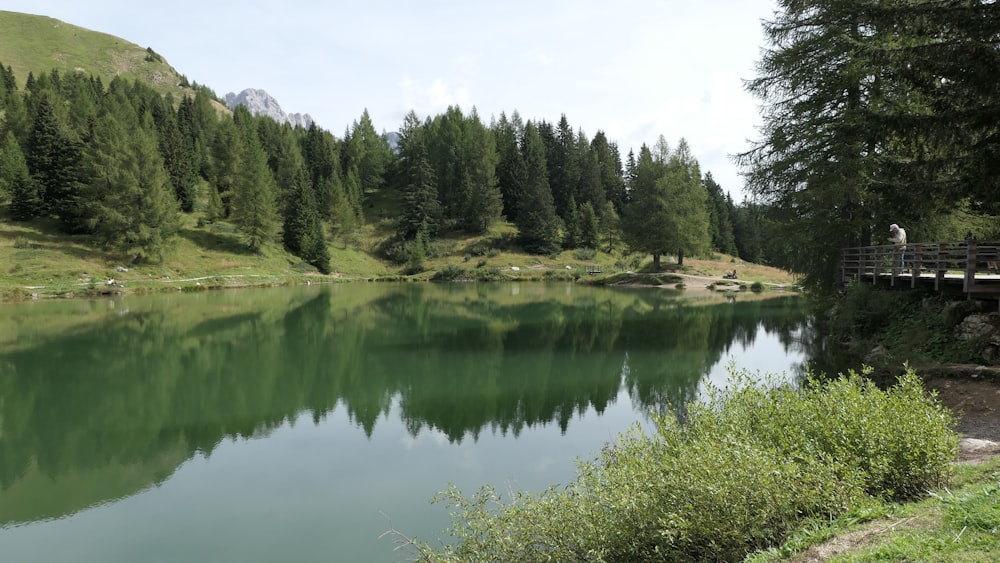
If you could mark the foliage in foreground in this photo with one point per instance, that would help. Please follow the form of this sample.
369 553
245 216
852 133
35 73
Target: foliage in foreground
730 475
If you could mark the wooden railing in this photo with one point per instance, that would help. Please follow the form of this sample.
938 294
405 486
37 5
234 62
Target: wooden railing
973 264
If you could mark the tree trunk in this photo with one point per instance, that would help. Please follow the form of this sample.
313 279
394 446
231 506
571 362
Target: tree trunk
680 257
656 262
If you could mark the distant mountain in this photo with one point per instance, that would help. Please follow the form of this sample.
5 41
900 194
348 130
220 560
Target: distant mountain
260 102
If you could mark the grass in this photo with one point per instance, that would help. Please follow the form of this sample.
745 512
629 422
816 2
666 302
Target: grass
960 522
36 259
38 44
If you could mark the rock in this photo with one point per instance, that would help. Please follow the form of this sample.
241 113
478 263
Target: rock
260 102
977 446
878 356
984 328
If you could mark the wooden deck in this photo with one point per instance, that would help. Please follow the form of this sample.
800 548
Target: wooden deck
969 267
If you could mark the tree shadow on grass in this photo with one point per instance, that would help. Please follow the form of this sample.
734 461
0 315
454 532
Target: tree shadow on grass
220 242
81 247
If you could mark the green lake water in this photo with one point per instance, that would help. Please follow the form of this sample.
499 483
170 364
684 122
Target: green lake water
299 424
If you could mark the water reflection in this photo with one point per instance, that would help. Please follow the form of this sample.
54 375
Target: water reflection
99 400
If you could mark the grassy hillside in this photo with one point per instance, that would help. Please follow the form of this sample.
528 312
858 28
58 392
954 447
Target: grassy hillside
39 44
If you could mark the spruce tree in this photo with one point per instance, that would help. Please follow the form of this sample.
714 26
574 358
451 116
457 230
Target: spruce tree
646 223
537 223
54 160
510 163
483 202
589 226
16 182
421 208
129 203
255 204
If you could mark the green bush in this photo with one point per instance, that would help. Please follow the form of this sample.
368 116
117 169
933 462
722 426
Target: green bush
900 439
729 475
452 273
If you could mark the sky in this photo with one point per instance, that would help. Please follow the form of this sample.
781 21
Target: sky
634 69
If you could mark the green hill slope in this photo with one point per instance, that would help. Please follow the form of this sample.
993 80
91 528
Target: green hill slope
38 44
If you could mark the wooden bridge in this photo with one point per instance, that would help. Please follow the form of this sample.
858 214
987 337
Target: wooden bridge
969 267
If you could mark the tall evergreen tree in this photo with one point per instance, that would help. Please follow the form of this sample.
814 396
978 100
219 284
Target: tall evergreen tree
53 159
302 232
510 163
589 226
564 167
128 202
255 206
589 187
646 224
421 208
686 198
720 217
610 165
483 201
225 164
369 153
16 182
537 222
177 154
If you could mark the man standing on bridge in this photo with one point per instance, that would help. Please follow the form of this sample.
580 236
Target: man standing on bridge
899 239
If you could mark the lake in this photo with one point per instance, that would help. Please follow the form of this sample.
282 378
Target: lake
299 424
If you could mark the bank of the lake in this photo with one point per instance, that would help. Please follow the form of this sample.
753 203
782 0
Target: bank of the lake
38 261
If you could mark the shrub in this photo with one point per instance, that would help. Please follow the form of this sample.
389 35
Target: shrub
584 254
900 439
726 476
493 273
451 273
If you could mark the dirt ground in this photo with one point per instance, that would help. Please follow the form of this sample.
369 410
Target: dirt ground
976 401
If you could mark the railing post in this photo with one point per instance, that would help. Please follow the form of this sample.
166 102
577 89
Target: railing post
940 266
970 267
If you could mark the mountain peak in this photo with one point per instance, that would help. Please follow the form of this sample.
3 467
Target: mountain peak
259 102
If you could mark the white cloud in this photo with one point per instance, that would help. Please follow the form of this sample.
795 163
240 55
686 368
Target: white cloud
428 100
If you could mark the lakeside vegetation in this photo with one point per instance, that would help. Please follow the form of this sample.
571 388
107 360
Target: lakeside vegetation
755 470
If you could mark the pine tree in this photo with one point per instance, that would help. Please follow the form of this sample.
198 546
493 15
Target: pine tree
510 164
128 202
686 198
610 225
571 226
225 164
421 208
302 231
537 222
720 217
255 206
589 226
646 222
483 201
176 154
611 174
53 158
16 181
